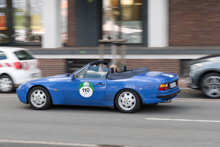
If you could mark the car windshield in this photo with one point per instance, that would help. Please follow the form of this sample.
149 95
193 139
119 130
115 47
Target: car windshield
79 69
23 55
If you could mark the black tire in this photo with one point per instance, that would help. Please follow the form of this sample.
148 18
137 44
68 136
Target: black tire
203 88
9 79
40 92
136 106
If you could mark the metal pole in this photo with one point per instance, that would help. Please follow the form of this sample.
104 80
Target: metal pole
119 19
123 52
101 51
114 53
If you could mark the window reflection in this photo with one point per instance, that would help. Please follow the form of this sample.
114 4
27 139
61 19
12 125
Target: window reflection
64 12
122 19
28 20
4 31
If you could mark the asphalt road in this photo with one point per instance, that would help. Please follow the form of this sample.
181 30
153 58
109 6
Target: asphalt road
189 121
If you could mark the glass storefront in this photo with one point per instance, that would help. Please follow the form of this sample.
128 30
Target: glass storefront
64 22
4 29
25 26
122 20
27 18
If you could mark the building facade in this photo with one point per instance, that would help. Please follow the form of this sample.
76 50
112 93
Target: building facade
149 23
170 31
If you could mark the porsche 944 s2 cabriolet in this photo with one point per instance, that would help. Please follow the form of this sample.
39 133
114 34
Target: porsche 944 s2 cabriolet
100 84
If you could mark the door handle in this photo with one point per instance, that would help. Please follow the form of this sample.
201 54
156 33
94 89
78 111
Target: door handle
100 83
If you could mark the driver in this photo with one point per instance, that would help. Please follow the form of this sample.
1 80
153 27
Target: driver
115 68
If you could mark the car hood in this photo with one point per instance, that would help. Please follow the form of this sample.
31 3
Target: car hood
195 61
204 59
161 77
55 78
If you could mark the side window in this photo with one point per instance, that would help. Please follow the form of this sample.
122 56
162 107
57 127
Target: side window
97 72
2 56
81 74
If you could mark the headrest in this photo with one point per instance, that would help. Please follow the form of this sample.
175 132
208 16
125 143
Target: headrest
123 68
111 70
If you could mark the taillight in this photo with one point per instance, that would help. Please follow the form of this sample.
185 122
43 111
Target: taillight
163 87
18 65
37 64
177 84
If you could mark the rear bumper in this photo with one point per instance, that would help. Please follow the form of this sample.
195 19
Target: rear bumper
168 96
163 97
25 76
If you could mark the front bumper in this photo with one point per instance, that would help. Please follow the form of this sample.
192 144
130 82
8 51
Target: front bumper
22 91
193 79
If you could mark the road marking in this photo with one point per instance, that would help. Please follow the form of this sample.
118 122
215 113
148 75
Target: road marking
183 120
57 143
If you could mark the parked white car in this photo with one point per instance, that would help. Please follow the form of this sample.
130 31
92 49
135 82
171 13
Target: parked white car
17 66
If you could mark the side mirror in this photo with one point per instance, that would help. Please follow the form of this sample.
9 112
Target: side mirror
72 77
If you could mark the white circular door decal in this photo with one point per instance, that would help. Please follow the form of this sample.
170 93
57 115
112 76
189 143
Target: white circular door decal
86 89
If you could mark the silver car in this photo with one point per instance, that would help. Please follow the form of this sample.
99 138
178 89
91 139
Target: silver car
204 75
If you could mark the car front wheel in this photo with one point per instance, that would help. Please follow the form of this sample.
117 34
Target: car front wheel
39 98
127 101
210 85
6 84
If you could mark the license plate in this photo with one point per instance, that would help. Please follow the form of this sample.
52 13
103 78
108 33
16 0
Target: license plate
173 84
34 75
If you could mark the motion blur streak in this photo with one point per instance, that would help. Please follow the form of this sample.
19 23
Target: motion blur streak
57 143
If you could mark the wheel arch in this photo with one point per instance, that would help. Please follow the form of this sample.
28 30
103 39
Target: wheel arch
7 75
38 86
205 73
142 102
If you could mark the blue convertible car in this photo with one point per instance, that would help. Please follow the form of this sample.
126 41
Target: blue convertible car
99 84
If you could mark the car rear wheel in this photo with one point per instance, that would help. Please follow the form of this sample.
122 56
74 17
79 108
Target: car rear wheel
210 85
39 98
6 84
127 101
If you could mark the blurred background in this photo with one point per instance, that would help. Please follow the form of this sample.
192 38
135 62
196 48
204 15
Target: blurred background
163 35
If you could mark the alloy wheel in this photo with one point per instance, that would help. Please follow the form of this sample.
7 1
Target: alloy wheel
38 98
6 84
127 101
211 86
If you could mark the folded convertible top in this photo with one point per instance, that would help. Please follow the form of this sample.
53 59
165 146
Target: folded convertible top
127 74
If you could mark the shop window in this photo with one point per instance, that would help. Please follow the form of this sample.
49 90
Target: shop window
27 16
4 30
64 14
122 20
28 21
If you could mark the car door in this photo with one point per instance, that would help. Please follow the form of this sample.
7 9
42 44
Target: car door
89 85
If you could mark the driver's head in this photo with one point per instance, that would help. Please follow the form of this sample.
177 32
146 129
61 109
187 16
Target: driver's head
114 67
